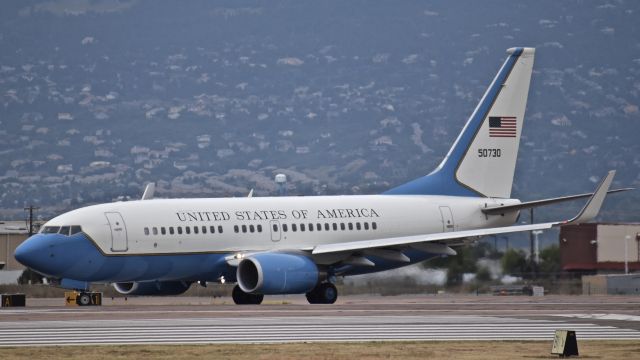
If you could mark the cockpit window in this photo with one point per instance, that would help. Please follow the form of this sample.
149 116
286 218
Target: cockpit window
50 229
62 230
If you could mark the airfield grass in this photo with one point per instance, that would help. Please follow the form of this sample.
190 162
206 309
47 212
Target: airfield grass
449 350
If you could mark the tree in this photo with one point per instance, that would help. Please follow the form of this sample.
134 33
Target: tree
30 277
514 262
550 261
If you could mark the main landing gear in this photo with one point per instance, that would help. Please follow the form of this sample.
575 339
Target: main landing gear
242 298
323 293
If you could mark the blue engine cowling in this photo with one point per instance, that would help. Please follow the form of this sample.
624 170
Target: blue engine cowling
277 273
152 287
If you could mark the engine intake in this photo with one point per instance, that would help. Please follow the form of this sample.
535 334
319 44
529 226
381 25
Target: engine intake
152 287
277 273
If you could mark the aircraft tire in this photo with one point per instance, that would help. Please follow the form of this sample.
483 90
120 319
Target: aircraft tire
84 299
325 293
328 293
311 297
242 298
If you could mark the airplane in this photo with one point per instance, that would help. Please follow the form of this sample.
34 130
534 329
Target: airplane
301 245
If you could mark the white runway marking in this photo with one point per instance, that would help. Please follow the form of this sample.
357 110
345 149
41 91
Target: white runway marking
294 329
622 317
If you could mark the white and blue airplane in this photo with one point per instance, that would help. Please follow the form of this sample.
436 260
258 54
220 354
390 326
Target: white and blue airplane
300 245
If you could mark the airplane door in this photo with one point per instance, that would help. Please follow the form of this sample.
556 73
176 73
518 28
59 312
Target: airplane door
275 230
447 219
119 241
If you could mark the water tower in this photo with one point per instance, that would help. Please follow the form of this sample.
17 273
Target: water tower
281 181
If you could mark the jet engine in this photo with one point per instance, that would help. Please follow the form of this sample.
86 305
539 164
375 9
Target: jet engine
277 273
152 287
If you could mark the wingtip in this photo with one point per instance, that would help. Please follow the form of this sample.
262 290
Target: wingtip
593 205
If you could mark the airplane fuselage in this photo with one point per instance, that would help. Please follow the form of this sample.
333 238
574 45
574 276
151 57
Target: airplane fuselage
188 239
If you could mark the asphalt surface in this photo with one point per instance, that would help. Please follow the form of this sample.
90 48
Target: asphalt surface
182 320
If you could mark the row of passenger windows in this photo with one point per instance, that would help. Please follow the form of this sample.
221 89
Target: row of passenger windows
63 230
311 227
258 228
187 230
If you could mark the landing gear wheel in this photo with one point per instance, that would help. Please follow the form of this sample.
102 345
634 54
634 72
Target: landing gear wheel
242 298
325 293
84 299
328 293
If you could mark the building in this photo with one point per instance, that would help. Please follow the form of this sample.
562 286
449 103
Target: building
617 284
12 234
600 248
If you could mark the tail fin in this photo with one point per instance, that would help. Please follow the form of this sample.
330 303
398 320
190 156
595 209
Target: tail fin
482 160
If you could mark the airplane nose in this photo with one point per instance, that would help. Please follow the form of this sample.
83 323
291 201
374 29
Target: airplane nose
27 252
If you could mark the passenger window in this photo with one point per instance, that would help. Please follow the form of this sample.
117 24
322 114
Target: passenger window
310 227
163 231
195 229
155 231
366 226
252 228
301 227
219 229
244 228
204 229
212 229
180 230
275 227
236 229
259 228
76 229
171 230
350 226
294 227
326 226
187 230
374 226
341 226
64 230
51 229
358 226
146 231
284 227
318 226
335 227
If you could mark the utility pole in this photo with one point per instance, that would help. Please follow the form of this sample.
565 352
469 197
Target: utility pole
31 208
532 250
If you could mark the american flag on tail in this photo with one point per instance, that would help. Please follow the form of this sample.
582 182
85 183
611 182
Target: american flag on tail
502 126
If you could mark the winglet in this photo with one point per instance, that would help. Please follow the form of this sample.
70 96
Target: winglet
592 208
149 191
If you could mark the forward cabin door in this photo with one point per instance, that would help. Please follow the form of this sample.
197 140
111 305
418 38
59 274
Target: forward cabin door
447 219
275 230
119 240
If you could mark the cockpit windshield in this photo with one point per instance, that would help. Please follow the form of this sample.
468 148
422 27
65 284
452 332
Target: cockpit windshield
62 230
51 229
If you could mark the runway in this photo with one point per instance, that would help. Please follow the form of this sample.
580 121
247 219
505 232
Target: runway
297 329
427 319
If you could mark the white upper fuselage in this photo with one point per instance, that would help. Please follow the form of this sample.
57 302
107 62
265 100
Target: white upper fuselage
159 226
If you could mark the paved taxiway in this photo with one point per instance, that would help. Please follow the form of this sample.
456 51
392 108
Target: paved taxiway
355 318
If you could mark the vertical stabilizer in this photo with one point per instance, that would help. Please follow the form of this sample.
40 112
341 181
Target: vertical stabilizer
482 160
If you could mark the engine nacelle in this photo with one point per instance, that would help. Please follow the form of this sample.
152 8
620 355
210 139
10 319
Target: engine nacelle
277 273
152 287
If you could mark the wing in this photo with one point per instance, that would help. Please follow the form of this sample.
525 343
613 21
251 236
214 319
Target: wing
588 212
